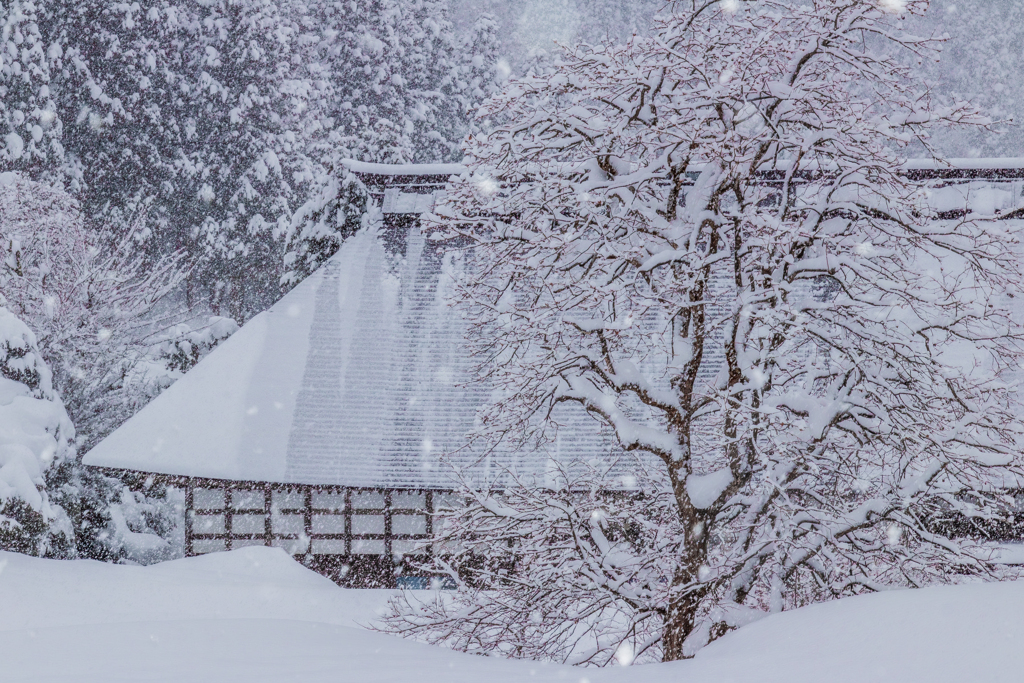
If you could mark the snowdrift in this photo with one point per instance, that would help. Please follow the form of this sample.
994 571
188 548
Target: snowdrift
254 615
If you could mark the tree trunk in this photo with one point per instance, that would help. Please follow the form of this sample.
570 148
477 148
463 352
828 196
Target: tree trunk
687 593
681 617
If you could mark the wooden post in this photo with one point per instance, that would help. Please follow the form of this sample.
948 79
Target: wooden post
430 523
307 518
388 546
268 531
189 515
228 517
348 524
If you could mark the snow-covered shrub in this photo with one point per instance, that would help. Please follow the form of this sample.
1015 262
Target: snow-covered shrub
36 442
130 517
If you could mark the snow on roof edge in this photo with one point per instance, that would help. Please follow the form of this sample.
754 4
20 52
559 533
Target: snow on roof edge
993 163
402 169
986 163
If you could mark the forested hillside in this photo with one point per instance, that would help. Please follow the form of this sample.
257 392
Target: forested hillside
170 168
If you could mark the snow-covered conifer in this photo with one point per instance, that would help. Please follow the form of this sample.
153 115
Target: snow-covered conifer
338 209
29 123
184 112
36 440
980 62
241 170
386 63
396 87
480 73
122 93
704 240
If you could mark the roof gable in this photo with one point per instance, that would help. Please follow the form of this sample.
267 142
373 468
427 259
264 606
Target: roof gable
356 377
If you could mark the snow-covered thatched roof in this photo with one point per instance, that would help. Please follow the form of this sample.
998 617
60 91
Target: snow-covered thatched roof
355 378
358 376
348 379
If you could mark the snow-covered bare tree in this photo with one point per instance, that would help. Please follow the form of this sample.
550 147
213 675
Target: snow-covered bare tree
91 303
704 240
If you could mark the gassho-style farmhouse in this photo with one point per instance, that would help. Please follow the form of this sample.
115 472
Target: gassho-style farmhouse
328 425
321 425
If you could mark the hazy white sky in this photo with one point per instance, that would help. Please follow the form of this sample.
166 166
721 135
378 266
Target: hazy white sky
542 22
529 25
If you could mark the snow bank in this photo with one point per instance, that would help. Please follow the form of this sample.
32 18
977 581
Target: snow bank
250 615
255 615
948 634
256 583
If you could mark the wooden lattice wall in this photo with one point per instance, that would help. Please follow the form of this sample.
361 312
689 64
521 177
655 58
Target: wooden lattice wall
358 537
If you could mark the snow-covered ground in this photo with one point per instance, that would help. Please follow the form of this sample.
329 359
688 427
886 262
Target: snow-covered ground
254 615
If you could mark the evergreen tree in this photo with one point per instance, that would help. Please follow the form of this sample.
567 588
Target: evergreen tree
981 62
36 448
179 111
480 72
29 124
121 93
397 87
243 162
616 20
